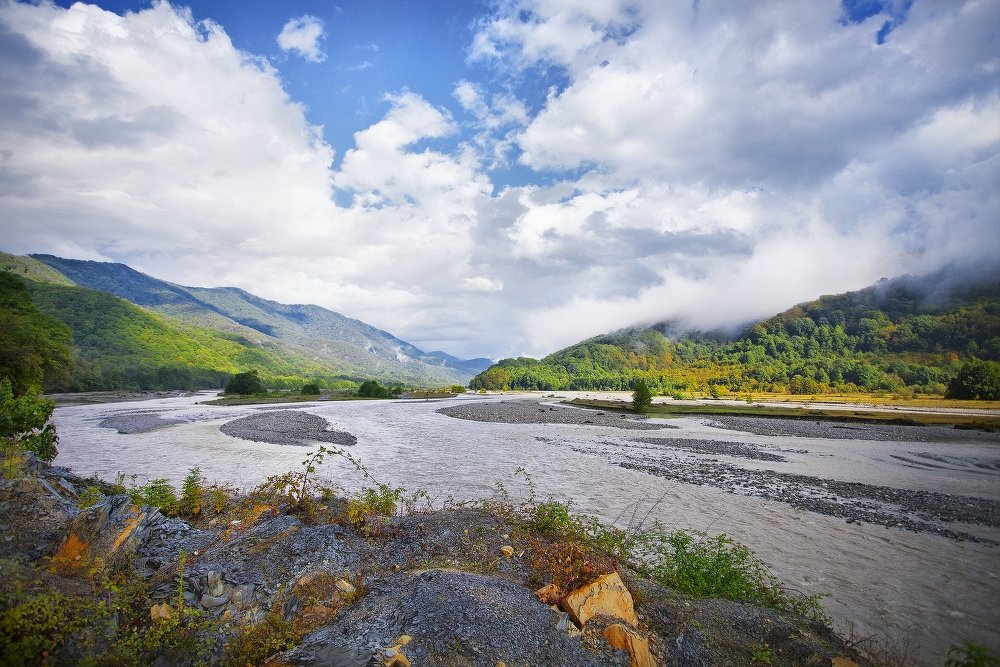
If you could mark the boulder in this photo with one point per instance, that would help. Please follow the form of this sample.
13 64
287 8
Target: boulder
33 518
629 640
161 612
549 594
507 550
843 662
607 596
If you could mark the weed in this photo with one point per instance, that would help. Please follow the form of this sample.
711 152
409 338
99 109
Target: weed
762 655
156 493
254 643
89 497
368 509
968 654
218 499
13 460
704 566
192 493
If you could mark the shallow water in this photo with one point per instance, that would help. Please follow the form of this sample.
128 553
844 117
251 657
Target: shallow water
933 590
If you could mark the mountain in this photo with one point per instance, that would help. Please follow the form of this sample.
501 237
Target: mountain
309 338
906 334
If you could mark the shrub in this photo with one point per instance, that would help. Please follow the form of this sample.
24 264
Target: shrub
89 497
704 566
370 506
976 380
373 389
156 493
642 397
192 492
245 383
968 654
24 422
311 389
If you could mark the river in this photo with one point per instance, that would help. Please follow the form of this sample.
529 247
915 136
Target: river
915 588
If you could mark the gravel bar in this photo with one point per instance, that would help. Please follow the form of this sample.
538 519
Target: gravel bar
137 422
714 447
286 427
533 412
808 428
917 511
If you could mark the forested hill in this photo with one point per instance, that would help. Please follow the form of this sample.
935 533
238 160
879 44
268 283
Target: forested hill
906 334
333 341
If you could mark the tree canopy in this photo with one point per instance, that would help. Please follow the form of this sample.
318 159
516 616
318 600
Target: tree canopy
248 382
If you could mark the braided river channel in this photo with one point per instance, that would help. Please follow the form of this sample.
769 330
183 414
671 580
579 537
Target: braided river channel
899 525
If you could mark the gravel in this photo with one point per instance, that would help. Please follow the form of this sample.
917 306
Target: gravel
533 412
454 618
914 510
714 447
137 422
286 427
808 428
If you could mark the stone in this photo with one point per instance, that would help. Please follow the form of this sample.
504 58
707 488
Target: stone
549 594
160 612
507 550
212 601
629 640
843 662
345 586
607 596
216 587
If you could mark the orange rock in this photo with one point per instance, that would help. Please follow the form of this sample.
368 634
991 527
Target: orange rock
549 594
160 612
607 596
843 662
629 640
507 550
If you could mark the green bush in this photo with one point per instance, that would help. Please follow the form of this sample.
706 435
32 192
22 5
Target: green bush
24 422
704 566
89 497
642 397
553 519
311 389
371 506
156 493
245 383
976 380
968 654
192 493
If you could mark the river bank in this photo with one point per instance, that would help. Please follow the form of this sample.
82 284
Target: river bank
877 577
277 579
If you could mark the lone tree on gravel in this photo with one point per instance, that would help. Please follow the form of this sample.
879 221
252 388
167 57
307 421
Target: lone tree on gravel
642 397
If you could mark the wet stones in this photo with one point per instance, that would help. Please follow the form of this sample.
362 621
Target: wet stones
286 427
532 412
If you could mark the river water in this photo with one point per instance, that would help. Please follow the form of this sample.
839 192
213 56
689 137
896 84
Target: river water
916 587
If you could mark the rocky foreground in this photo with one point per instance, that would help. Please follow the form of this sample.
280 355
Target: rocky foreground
277 578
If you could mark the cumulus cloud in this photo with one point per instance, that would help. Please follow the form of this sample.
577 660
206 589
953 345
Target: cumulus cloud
707 163
302 37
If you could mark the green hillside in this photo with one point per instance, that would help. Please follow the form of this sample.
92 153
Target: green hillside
328 337
35 349
899 335
117 345
32 269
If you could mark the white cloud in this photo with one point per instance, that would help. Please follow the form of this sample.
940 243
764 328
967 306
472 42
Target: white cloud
721 163
302 36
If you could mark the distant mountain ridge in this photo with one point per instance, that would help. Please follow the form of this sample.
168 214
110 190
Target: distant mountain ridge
308 331
910 333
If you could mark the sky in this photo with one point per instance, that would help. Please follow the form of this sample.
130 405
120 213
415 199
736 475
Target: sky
505 178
